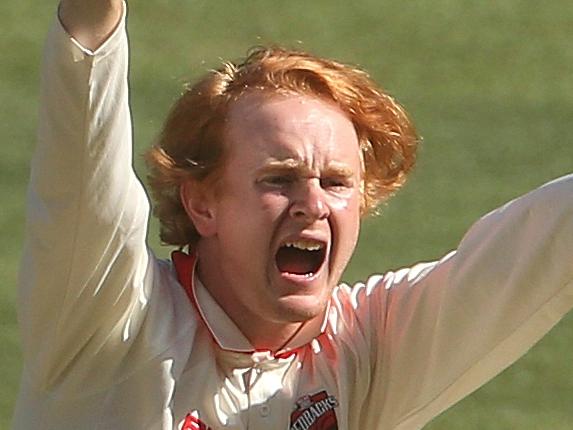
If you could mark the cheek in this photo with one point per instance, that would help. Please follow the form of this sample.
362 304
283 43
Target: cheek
347 207
346 222
273 206
340 204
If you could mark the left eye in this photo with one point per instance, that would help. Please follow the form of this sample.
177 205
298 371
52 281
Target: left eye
334 183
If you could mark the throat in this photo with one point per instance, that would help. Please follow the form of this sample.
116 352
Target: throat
275 340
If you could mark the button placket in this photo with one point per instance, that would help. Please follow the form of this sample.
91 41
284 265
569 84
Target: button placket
266 380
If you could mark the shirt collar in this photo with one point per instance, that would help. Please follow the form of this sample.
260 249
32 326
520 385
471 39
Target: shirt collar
223 330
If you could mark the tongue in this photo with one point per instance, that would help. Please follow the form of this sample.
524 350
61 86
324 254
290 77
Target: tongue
297 261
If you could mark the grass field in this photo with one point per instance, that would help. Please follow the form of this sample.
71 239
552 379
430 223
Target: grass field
489 84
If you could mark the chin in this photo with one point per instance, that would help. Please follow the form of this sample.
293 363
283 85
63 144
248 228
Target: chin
300 309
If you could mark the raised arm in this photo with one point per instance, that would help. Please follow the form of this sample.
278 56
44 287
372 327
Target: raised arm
445 328
90 22
82 282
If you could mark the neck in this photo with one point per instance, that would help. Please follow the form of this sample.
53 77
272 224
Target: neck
262 334
274 339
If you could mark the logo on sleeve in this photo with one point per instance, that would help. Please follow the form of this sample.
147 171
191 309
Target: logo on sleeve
192 422
314 412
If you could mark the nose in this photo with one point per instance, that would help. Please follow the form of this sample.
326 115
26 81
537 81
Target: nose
309 201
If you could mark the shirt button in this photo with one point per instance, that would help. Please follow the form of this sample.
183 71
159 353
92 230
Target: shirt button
264 410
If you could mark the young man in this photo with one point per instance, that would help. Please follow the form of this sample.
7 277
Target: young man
263 171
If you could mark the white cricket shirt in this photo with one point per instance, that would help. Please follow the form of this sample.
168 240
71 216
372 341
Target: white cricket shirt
112 337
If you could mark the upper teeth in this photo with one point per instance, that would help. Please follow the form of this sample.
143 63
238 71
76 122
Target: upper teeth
308 245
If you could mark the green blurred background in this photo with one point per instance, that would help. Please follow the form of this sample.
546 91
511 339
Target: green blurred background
489 85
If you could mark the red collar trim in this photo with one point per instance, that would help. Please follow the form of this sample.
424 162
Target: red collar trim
184 267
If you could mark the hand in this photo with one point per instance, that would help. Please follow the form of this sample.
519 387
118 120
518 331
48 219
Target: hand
90 22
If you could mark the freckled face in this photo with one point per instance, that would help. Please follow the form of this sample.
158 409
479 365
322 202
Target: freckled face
287 214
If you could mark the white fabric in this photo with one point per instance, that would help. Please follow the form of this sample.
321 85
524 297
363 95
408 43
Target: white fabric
111 341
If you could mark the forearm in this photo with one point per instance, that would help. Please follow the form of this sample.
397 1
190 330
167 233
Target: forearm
479 309
85 251
90 22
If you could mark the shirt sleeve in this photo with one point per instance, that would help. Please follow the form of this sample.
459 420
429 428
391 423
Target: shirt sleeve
448 327
82 274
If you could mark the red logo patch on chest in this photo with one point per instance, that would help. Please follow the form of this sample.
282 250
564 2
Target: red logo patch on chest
314 412
193 423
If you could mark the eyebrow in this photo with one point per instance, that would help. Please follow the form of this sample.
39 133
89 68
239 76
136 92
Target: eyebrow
291 165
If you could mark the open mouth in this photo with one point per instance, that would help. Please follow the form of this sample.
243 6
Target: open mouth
301 257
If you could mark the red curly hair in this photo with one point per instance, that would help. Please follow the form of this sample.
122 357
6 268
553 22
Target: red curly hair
190 146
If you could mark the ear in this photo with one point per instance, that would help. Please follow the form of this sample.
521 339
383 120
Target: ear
199 205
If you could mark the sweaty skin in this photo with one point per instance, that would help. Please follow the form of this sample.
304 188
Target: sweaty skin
292 175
